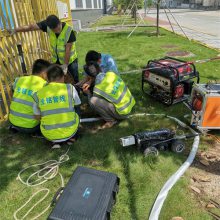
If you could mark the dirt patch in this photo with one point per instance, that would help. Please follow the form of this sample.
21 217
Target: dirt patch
205 176
180 53
169 46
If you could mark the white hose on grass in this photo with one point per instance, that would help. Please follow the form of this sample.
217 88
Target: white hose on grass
158 204
155 212
85 120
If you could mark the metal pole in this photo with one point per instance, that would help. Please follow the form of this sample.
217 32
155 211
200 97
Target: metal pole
104 7
21 56
135 12
145 8
158 11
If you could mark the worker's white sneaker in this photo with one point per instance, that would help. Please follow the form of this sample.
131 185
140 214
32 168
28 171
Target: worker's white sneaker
56 146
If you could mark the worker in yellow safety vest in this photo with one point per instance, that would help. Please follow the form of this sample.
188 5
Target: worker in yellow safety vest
111 98
56 106
62 42
21 114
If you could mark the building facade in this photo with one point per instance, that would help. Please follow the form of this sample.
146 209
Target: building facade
87 11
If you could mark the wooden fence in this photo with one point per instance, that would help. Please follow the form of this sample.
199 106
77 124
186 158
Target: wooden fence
18 51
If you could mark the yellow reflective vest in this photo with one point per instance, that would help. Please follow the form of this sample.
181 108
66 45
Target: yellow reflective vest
58 117
21 108
113 89
58 44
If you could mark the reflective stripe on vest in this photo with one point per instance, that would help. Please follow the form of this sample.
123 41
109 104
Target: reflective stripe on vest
56 111
58 44
58 119
21 108
126 105
21 115
114 90
22 101
105 95
61 125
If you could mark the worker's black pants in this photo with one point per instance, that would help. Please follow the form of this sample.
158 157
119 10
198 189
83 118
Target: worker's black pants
73 69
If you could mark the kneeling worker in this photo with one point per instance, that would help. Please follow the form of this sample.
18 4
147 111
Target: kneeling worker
21 114
105 61
54 107
111 98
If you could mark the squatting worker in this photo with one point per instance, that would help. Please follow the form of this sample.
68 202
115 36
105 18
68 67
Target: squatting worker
21 116
62 42
105 61
56 106
111 98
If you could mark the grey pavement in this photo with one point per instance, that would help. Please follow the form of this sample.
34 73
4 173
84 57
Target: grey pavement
203 26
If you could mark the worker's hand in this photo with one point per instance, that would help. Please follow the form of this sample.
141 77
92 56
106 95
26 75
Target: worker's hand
11 31
86 86
86 90
64 68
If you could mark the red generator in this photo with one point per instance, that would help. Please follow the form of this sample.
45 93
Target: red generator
169 80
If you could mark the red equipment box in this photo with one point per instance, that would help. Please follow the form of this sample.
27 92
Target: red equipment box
205 105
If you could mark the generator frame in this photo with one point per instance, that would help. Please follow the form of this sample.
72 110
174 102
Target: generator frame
174 81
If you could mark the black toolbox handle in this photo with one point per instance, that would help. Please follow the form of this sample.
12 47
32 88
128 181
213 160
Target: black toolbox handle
192 135
54 200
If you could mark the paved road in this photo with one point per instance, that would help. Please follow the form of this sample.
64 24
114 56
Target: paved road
203 26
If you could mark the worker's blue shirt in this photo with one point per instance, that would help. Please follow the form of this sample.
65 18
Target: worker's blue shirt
108 64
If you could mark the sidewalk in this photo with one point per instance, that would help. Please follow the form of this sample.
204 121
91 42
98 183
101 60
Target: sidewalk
202 26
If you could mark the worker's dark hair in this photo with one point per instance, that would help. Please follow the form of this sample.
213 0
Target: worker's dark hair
40 66
52 21
92 55
54 72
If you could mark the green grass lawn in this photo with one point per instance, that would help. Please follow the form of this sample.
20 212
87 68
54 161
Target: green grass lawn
115 20
141 178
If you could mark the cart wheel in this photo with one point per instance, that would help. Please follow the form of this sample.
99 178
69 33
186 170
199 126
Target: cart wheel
178 146
163 147
151 151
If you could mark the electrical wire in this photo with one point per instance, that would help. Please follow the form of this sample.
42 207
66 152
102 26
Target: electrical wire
48 172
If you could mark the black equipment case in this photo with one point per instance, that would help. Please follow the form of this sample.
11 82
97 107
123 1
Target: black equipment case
89 195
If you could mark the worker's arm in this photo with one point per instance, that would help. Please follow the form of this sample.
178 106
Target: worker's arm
77 101
67 54
68 47
37 117
36 111
83 81
31 27
88 83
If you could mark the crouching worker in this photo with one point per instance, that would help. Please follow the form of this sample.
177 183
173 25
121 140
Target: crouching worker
106 63
54 107
111 98
21 114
